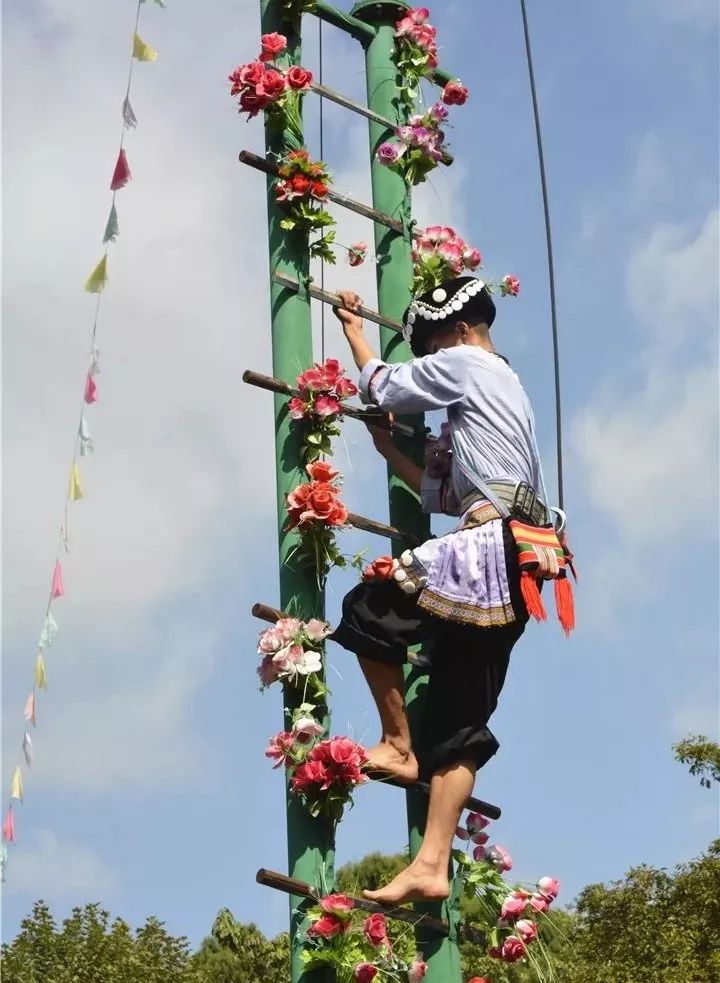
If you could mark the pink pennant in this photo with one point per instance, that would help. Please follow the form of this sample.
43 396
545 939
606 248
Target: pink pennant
90 389
8 829
57 582
122 174
30 709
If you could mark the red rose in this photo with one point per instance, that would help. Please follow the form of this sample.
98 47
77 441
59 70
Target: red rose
319 189
246 75
455 94
252 102
513 949
300 184
321 499
375 929
299 78
272 84
310 773
297 503
345 388
326 927
322 471
339 515
272 45
339 905
381 569
365 972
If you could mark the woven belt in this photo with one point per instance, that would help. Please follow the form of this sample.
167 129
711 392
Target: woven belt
520 499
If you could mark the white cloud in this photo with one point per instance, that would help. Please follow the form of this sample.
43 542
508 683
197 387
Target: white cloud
697 12
58 869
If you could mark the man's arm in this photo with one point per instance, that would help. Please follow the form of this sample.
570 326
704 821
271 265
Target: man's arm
353 328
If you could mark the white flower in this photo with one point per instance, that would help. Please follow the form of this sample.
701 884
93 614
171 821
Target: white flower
305 728
311 662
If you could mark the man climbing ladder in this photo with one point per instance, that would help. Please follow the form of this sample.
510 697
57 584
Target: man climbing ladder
460 595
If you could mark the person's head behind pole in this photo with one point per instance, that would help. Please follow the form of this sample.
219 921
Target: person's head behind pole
459 311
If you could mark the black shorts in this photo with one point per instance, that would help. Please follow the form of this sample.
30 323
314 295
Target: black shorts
467 670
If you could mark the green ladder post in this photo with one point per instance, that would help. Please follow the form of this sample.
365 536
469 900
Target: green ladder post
311 847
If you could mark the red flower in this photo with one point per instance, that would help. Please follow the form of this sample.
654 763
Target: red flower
365 972
322 471
300 184
345 388
331 371
327 926
301 154
455 94
319 189
272 45
513 949
246 75
299 78
375 929
297 408
252 102
380 569
272 84
311 775
280 747
313 378
339 905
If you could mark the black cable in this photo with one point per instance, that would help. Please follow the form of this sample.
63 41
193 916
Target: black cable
551 265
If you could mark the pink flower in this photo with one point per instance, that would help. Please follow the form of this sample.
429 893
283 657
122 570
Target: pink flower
297 408
331 370
326 406
475 822
452 253
299 78
327 927
306 728
253 102
455 94
316 630
418 15
322 471
423 35
271 85
417 971
495 952
420 136
480 838
312 379
499 858
339 905
245 76
365 972
514 905
510 286
438 112
539 903
280 748
345 388
479 853
272 45
357 253
526 929
288 627
375 929
549 887
513 949
267 672
403 27
462 834
390 153
270 641
472 258
312 776
288 658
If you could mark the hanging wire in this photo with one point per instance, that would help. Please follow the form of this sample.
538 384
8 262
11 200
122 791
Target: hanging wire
322 157
551 265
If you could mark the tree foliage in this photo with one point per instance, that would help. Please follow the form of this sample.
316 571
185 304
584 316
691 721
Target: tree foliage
701 755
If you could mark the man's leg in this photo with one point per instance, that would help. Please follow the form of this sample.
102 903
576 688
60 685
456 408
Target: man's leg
427 876
393 755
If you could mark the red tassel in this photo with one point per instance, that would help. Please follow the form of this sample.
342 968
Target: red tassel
565 604
122 174
531 596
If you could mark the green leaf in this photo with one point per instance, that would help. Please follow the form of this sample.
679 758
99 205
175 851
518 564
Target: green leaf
287 223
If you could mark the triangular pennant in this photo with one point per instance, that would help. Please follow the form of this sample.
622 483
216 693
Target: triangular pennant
3 863
8 828
86 444
90 389
40 672
142 51
94 361
30 709
58 588
121 174
95 283
76 492
16 789
129 117
112 229
47 635
27 746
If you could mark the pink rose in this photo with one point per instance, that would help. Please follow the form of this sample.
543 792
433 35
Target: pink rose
296 408
499 858
252 103
288 627
327 927
288 658
510 286
270 641
280 748
272 45
245 76
311 776
526 929
365 972
271 85
423 35
326 406
390 153
322 471
475 822
337 904
539 903
455 94
357 253
418 15
438 112
417 971
514 905
316 630
513 949
480 838
479 853
375 929
472 258
549 887
311 379
299 78
345 388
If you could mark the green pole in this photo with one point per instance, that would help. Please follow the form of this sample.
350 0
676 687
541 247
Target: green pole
394 278
311 849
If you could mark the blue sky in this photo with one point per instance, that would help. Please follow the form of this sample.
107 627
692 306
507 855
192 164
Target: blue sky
150 792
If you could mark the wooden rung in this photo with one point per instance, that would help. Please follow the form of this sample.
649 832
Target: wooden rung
270 167
328 298
290 885
381 529
340 100
373 416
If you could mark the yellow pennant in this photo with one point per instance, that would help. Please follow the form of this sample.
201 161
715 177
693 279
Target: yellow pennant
76 491
40 674
16 790
95 283
142 51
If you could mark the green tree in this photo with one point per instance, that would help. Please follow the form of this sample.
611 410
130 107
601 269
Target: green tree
237 953
702 755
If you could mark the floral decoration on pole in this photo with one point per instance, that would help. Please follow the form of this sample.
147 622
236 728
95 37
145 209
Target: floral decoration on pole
292 654
323 389
439 254
316 511
357 253
302 186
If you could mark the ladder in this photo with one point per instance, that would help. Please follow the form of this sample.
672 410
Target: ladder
310 841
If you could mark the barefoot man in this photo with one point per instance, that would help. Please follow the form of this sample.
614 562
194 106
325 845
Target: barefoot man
459 594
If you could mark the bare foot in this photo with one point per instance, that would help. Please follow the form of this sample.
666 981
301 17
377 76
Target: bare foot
389 761
416 883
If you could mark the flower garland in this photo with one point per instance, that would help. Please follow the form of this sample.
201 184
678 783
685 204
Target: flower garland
418 146
358 948
264 87
438 254
292 654
323 389
508 917
315 510
323 773
302 185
